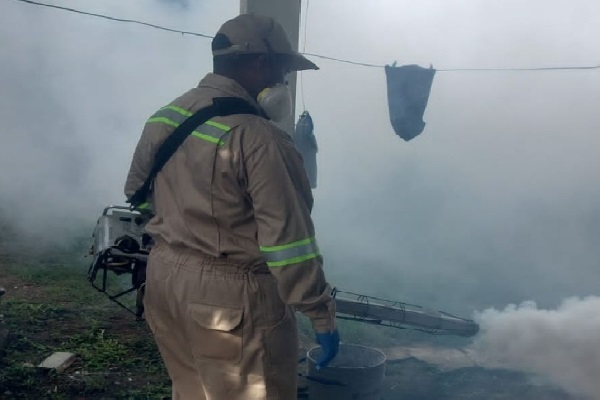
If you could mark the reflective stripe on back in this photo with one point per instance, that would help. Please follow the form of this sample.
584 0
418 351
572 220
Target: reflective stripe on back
210 131
170 115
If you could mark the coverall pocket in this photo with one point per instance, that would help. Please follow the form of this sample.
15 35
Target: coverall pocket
216 332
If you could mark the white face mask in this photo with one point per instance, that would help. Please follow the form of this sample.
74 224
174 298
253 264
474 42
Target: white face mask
276 101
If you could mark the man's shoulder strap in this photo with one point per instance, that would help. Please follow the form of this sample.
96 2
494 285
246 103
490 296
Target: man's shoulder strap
221 107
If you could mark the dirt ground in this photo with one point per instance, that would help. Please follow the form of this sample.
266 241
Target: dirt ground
49 306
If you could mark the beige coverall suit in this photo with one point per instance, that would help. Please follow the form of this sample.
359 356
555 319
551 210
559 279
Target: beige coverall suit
235 252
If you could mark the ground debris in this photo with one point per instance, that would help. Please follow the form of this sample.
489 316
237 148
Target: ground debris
58 361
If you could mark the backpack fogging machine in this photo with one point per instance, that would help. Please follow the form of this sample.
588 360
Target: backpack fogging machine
120 247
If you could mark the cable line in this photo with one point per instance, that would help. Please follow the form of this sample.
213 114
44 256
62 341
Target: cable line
341 60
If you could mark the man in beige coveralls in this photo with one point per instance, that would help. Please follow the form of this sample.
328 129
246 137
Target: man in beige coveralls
235 251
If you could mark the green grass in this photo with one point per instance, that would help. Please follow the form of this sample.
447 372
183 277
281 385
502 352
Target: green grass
105 354
56 309
117 357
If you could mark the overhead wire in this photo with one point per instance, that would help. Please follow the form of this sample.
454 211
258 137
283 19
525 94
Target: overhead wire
324 57
522 69
108 17
362 64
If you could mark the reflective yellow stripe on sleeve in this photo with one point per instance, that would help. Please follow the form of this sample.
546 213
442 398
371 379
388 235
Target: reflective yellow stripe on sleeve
291 253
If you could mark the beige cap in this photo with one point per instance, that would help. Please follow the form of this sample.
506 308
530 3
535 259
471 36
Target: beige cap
257 34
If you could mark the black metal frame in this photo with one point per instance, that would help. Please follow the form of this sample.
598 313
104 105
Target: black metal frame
134 264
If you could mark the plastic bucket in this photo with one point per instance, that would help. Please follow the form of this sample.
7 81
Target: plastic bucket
355 374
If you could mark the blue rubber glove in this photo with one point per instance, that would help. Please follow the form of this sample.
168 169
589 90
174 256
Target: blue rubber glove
330 344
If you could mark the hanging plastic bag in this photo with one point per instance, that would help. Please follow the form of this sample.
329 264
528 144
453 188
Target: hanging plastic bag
408 89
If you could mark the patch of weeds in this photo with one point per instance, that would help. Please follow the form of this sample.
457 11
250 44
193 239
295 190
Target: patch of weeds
87 384
53 307
99 351
42 274
30 325
28 313
153 390
25 382
22 344
147 356
18 377
66 282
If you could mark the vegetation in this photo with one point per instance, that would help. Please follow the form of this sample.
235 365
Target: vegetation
50 307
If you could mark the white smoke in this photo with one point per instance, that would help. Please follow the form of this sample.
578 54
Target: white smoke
76 92
502 176
562 344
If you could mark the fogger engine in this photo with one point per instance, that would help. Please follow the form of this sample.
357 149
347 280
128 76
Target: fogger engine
120 246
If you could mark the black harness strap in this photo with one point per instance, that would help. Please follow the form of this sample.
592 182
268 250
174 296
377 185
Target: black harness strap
221 107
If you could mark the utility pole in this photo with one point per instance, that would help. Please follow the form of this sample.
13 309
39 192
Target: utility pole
287 13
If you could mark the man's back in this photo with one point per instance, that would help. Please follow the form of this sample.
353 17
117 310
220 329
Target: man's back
235 251
200 198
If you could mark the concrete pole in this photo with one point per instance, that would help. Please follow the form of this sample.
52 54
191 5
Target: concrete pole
287 13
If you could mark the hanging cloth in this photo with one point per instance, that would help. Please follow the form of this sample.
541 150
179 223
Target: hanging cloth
408 89
306 143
